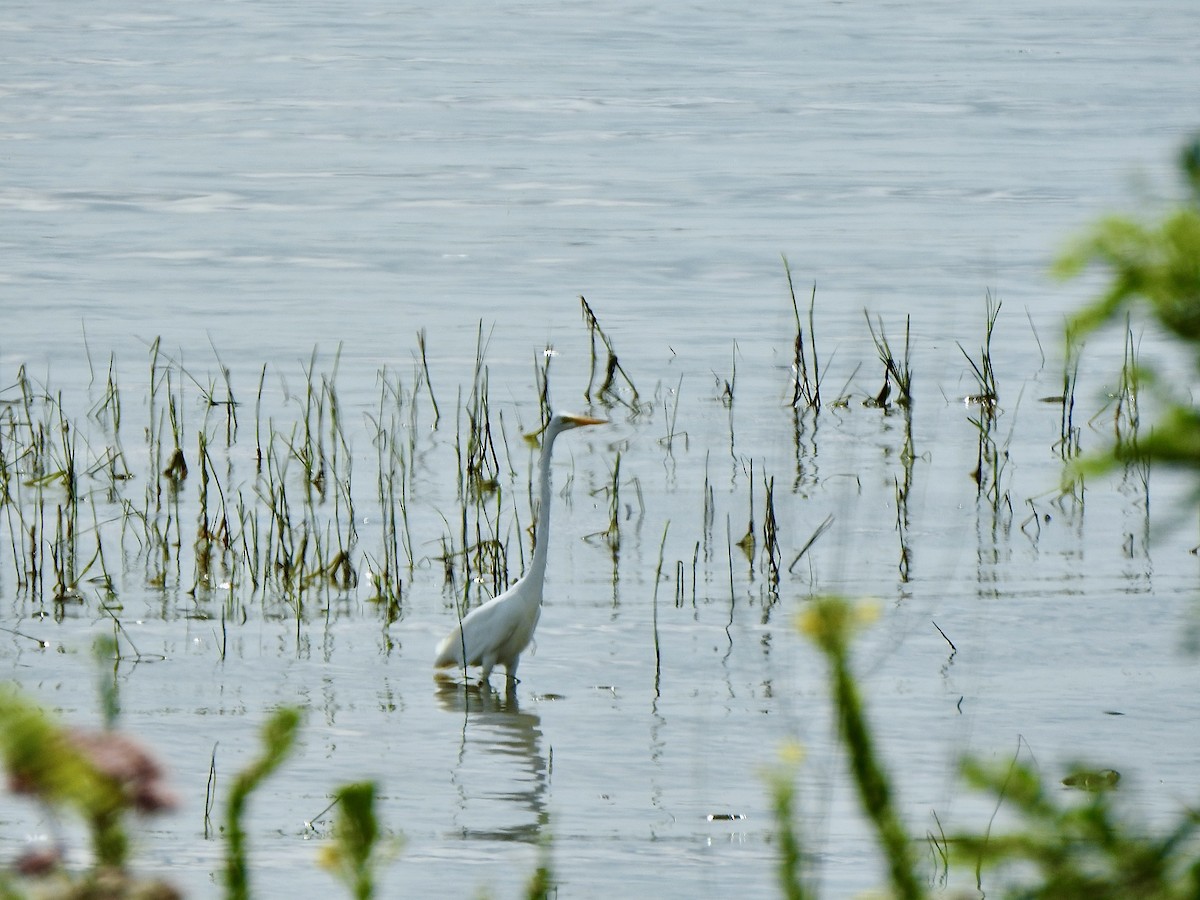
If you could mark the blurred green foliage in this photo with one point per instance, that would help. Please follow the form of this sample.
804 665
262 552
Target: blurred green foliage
43 762
1070 848
1153 269
101 776
353 855
279 737
1071 841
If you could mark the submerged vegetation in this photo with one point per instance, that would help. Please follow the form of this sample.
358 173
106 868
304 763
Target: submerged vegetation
248 501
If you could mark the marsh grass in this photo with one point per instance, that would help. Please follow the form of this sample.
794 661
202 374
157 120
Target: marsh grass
287 532
770 533
1127 415
896 372
394 448
992 456
607 391
806 383
748 541
662 547
286 536
210 794
612 534
541 377
672 419
1068 443
902 524
825 525
428 379
987 394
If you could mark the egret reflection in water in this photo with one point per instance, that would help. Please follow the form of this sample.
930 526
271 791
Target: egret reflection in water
501 773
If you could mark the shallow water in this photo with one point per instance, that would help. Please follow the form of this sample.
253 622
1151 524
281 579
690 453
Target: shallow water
247 181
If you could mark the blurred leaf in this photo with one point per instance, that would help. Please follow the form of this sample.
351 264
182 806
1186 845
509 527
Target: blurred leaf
1093 780
354 856
1153 268
279 736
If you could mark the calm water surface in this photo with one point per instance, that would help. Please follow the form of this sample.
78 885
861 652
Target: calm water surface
247 181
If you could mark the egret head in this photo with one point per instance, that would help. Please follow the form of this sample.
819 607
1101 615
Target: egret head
564 422
570 420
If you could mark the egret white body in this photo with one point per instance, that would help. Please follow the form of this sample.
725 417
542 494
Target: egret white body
499 631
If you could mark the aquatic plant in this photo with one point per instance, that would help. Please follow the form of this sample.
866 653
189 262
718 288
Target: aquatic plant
806 385
895 371
607 392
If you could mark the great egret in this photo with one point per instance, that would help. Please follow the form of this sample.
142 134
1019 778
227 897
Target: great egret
499 631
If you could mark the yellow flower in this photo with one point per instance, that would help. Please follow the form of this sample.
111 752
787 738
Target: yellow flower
329 857
792 753
834 618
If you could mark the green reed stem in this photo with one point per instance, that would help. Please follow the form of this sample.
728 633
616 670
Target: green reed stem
830 623
279 737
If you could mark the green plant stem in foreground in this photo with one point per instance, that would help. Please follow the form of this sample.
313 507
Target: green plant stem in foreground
279 736
780 779
829 622
353 856
541 884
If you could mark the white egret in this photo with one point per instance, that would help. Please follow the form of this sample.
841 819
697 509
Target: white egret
499 631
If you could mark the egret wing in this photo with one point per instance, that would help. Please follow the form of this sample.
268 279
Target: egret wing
485 631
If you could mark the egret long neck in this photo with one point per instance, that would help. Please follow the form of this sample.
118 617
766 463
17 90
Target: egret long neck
541 534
